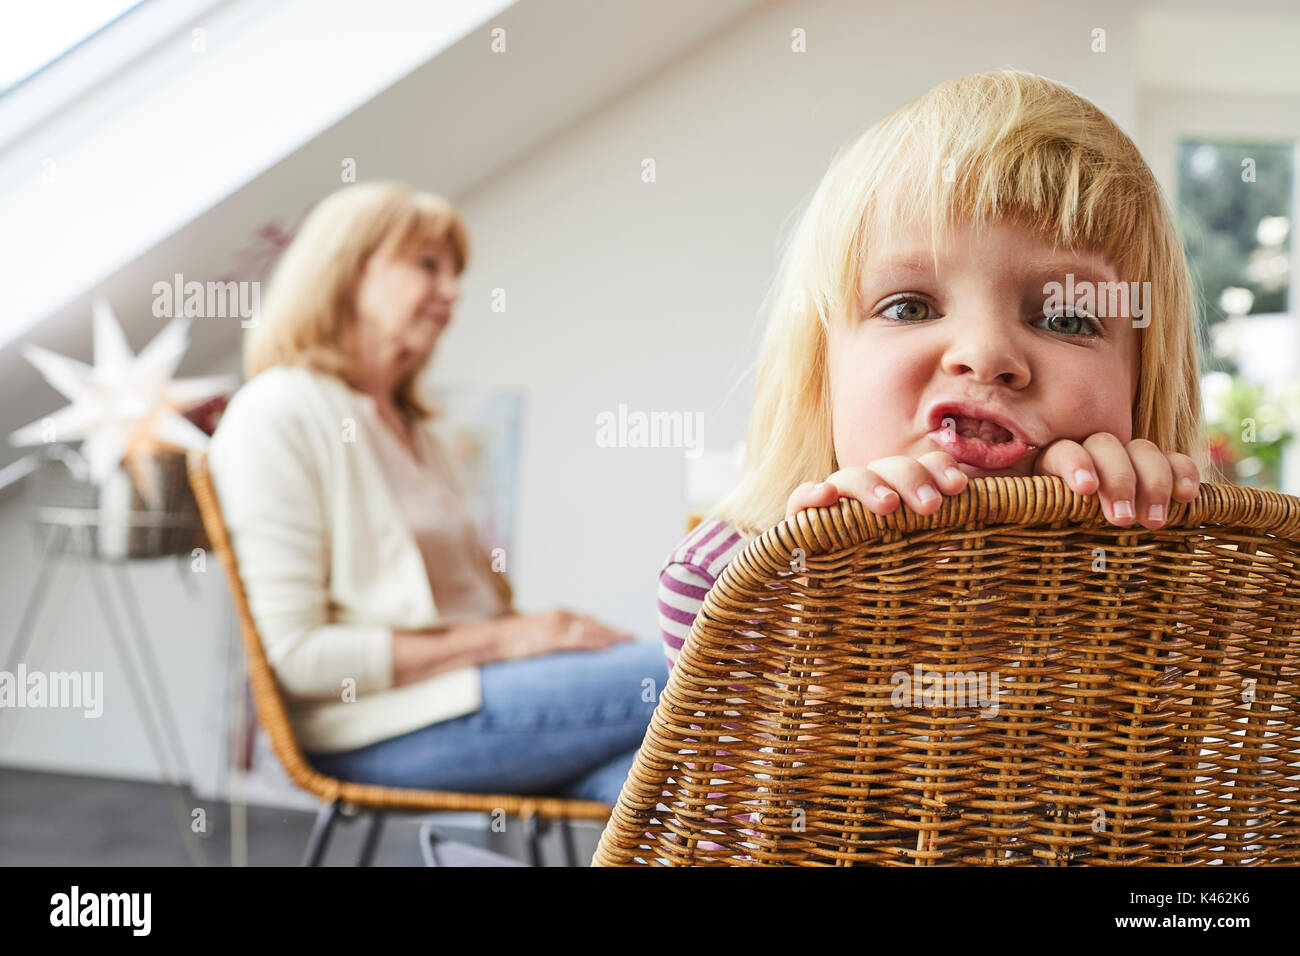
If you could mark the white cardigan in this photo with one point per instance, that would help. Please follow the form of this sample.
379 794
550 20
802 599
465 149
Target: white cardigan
329 565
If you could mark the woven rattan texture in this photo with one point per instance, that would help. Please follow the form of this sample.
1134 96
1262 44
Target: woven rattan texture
1008 682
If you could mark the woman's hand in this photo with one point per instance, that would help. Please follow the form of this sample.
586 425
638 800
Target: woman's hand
1134 481
529 635
418 655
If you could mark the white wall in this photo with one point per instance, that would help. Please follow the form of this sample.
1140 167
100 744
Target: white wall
620 291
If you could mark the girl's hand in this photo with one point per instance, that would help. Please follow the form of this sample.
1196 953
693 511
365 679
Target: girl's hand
1134 481
921 482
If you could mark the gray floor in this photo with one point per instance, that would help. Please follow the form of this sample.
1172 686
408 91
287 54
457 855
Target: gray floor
58 820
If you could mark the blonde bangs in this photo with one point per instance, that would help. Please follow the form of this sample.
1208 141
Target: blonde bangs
1013 146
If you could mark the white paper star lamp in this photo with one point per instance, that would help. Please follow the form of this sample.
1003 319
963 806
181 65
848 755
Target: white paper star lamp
125 408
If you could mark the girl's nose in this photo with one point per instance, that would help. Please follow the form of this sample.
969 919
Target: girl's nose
988 353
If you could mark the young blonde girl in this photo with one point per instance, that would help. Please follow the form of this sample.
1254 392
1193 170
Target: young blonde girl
917 335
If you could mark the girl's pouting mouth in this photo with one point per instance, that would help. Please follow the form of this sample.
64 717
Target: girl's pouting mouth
984 439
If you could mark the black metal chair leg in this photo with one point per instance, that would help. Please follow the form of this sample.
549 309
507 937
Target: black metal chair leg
320 834
372 838
566 834
429 840
537 828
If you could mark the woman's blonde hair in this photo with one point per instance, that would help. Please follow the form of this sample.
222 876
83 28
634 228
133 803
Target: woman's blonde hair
987 147
309 302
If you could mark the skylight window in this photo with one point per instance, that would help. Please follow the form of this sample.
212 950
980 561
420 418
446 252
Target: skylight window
44 32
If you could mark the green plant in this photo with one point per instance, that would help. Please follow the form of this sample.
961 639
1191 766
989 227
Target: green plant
1247 428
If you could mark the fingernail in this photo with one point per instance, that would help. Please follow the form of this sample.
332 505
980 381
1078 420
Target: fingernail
820 486
1123 509
1082 476
1186 483
954 474
1156 513
883 491
926 493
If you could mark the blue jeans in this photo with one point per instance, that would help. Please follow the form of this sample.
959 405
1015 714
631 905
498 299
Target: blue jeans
566 724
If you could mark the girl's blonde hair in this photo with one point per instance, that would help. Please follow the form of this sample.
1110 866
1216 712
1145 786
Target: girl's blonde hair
309 302
987 147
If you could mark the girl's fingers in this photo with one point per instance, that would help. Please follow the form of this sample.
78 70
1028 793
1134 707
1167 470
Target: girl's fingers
1187 477
1118 491
811 494
921 483
1155 480
1070 462
867 486
1074 464
860 483
912 481
943 469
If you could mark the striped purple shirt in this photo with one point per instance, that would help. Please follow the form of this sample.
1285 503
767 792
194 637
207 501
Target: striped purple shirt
687 575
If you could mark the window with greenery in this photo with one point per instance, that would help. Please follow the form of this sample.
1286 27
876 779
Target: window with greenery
1235 207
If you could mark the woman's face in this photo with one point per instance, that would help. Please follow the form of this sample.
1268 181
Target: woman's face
402 305
969 357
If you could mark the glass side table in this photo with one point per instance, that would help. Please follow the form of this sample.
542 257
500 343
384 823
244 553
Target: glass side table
80 523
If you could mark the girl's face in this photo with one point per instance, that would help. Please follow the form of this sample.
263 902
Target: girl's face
402 305
968 358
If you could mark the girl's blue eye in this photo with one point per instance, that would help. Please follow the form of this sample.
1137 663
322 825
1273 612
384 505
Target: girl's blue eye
1071 323
909 307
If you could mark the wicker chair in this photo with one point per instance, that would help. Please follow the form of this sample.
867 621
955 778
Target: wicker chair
1008 682
343 797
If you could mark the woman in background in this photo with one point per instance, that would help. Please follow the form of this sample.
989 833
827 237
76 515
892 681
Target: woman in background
392 636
